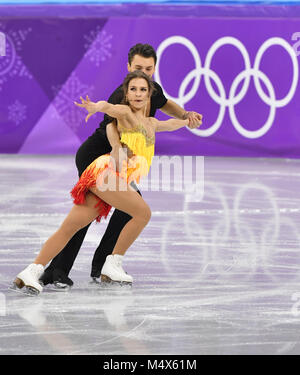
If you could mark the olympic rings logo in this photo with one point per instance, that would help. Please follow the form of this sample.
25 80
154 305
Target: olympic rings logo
232 99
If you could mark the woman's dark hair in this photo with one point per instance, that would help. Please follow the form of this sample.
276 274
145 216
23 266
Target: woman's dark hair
144 50
136 74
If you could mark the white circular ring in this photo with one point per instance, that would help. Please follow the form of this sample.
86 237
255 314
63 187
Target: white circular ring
267 44
190 46
263 130
219 43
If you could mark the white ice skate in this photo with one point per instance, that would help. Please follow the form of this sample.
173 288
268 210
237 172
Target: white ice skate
29 278
112 271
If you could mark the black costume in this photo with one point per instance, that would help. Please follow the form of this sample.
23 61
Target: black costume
97 144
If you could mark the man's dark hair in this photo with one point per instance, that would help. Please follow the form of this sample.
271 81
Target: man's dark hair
144 50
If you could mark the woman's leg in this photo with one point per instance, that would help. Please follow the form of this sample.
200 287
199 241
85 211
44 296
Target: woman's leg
79 217
125 199
130 202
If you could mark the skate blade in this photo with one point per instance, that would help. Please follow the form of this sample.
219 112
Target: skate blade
60 287
94 281
19 287
107 281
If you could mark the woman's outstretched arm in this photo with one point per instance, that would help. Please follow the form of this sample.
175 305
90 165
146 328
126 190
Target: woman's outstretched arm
171 125
114 110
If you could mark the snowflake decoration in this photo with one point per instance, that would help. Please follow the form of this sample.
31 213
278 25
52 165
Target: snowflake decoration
11 64
98 46
17 112
65 95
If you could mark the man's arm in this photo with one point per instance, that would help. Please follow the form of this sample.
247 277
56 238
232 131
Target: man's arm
113 135
172 109
117 152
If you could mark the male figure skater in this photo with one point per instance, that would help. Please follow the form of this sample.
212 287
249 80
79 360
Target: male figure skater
105 140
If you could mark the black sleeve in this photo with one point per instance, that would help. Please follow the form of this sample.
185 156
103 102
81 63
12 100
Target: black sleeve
115 98
159 96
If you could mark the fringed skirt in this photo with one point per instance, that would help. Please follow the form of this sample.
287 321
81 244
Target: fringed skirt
94 176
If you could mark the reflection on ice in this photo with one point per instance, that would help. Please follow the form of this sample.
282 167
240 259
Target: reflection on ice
213 274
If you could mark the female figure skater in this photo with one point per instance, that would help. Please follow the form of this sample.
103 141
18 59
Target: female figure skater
100 186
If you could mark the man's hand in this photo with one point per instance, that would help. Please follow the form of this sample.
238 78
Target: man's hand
195 119
119 155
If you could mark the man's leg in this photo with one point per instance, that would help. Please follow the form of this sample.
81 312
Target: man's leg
61 265
116 223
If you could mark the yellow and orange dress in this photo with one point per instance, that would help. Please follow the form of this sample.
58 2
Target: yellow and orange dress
140 151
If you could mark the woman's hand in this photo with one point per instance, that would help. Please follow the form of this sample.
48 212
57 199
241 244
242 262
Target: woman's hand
91 107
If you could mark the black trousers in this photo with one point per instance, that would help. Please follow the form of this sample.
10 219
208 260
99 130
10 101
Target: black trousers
93 147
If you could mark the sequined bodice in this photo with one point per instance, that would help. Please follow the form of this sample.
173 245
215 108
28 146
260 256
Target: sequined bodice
150 140
139 144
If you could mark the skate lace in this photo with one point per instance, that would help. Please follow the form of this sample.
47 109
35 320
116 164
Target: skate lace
118 263
36 270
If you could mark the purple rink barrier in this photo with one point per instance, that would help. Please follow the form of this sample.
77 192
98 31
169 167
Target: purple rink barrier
237 65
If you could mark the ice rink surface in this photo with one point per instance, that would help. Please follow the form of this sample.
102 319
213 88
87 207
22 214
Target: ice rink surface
214 273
